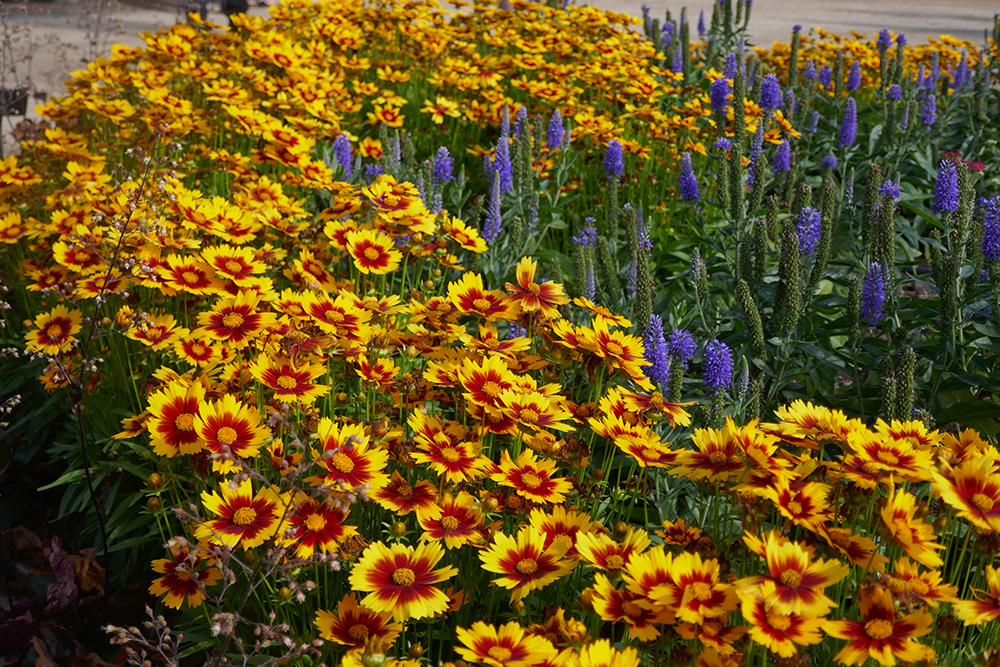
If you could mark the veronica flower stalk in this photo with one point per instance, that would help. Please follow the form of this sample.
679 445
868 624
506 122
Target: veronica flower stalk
342 152
655 345
688 182
680 348
849 125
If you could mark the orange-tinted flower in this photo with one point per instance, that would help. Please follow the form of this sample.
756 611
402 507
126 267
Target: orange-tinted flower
373 252
356 626
524 563
507 647
245 519
713 633
878 634
973 491
55 331
350 463
174 411
678 534
457 523
779 632
401 580
235 320
229 426
545 297
399 497
185 576
290 383
915 535
470 298
315 524
616 605
532 478
986 606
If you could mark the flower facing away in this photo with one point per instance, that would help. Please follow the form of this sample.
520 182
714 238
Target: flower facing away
184 577
245 519
524 562
354 625
879 634
401 580
986 606
508 646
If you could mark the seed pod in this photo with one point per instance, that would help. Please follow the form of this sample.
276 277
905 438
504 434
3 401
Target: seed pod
755 329
788 296
793 59
873 181
904 391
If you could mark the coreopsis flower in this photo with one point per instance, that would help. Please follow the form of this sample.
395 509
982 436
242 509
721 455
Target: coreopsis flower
245 519
174 410
470 298
348 459
563 526
291 383
794 584
315 524
695 592
861 550
400 580
341 317
400 204
973 490
906 580
720 455
457 523
508 646
355 626
441 108
779 632
229 426
713 634
235 320
484 383
524 562
601 654
185 575
400 497
913 432
456 461
158 332
808 425
373 252
377 371
532 478
986 606
915 535
55 331
652 405
603 553
879 634
804 505
544 297
198 352
534 411
622 352
678 534
615 605
238 265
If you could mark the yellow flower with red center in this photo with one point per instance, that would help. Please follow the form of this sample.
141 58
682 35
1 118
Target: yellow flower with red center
804 504
861 550
340 317
780 632
158 332
491 344
544 297
197 352
484 383
389 116
230 429
11 227
653 406
509 646
185 574
465 236
55 331
678 534
348 459
236 264
456 461
470 298
400 580
908 582
524 562
236 320
720 455
986 606
973 490
355 626
641 616
603 553
794 584
440 108
879 634
534 411
713 634
532 478
373 252
378 371
400 497
879 454
315 524
457 523
695 592
290 383
622 352
563 526
915 535
809 426
174 411
245 519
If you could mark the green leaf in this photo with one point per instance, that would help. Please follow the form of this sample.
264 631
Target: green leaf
873 136
965 412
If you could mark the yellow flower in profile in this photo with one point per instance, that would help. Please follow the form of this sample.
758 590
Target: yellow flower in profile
915 535
401 580
986 606
373 252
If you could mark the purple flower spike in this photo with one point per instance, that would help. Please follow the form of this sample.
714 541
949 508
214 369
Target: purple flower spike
849 126
809 228
946 189
688 181
718 371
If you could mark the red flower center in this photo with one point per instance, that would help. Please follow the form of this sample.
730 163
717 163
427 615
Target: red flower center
531 480
184 422
449 523
226 435
343 462
244 516
983 502
403 577
878 628
526 566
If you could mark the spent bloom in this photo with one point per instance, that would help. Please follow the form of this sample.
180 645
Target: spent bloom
849 126
770 93
656 352
688 181
991 228
695 267
614 164
946 188
809 229
718 371
681 345
873 294
342 151
554 134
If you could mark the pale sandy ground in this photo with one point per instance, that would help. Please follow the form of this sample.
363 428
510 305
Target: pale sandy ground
49 40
